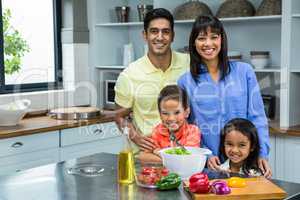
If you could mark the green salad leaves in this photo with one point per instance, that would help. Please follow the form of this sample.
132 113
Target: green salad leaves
178 151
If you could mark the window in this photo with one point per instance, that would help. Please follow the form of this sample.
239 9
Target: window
30 45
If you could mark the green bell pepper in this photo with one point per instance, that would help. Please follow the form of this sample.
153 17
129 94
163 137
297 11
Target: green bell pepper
172 181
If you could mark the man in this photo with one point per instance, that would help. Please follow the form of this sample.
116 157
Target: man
138 86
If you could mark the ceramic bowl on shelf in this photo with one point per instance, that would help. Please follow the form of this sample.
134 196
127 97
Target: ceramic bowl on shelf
260 59
185 165
12 113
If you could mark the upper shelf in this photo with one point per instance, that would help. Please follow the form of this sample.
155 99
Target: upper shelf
110 67
295 69
268 69
231 19
296 15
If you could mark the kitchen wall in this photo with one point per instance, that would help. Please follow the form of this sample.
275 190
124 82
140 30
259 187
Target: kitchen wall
78 89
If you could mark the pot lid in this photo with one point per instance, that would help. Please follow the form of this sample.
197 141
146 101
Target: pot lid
75 113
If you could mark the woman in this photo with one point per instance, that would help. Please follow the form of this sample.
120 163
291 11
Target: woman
220 90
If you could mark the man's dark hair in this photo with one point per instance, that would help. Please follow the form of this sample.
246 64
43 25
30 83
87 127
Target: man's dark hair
173 92
158 13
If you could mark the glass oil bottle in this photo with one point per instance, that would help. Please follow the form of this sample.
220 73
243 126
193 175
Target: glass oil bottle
126 170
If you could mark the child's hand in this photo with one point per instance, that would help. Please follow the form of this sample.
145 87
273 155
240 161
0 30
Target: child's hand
265 167
214 163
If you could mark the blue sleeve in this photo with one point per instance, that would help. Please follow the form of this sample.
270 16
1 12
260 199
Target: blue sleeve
256 113
182 81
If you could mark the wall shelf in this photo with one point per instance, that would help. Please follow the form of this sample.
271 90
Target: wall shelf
120 24
110 67
230 19
254 18
294 69
271 69
296 15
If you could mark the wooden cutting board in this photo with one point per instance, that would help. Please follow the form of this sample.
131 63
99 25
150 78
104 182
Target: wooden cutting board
257 188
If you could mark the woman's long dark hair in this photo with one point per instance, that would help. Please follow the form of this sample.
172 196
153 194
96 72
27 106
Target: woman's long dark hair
247 128
201 24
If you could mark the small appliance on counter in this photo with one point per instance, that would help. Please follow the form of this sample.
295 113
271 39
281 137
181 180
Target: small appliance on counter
269 104
109 94
75 113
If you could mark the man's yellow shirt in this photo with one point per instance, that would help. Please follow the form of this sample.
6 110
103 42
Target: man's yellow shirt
139 85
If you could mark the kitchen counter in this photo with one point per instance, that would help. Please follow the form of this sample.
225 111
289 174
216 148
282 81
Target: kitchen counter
39 124
275 129
53 182
33 125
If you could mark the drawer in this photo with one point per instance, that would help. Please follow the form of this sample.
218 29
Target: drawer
89 133
29 143
110 145
20 162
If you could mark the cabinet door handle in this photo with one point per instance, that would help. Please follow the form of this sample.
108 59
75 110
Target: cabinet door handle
97 131
17 145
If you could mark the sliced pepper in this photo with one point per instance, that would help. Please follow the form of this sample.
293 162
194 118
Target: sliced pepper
169 182
236 182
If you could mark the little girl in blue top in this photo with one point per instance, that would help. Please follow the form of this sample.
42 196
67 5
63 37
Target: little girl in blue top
240 147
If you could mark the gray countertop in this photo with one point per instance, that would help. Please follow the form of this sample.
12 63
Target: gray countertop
53 182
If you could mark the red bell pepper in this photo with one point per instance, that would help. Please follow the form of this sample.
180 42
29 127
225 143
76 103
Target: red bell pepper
198 183
197 176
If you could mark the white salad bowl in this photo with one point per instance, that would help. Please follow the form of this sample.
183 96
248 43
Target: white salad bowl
12 113
185 165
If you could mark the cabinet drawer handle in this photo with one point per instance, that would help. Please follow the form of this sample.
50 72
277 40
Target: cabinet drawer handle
97 131
17 145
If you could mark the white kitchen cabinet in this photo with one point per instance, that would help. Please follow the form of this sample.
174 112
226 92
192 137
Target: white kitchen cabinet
109 145
287 158
89 133
25 152
279 34
87 140
16 163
